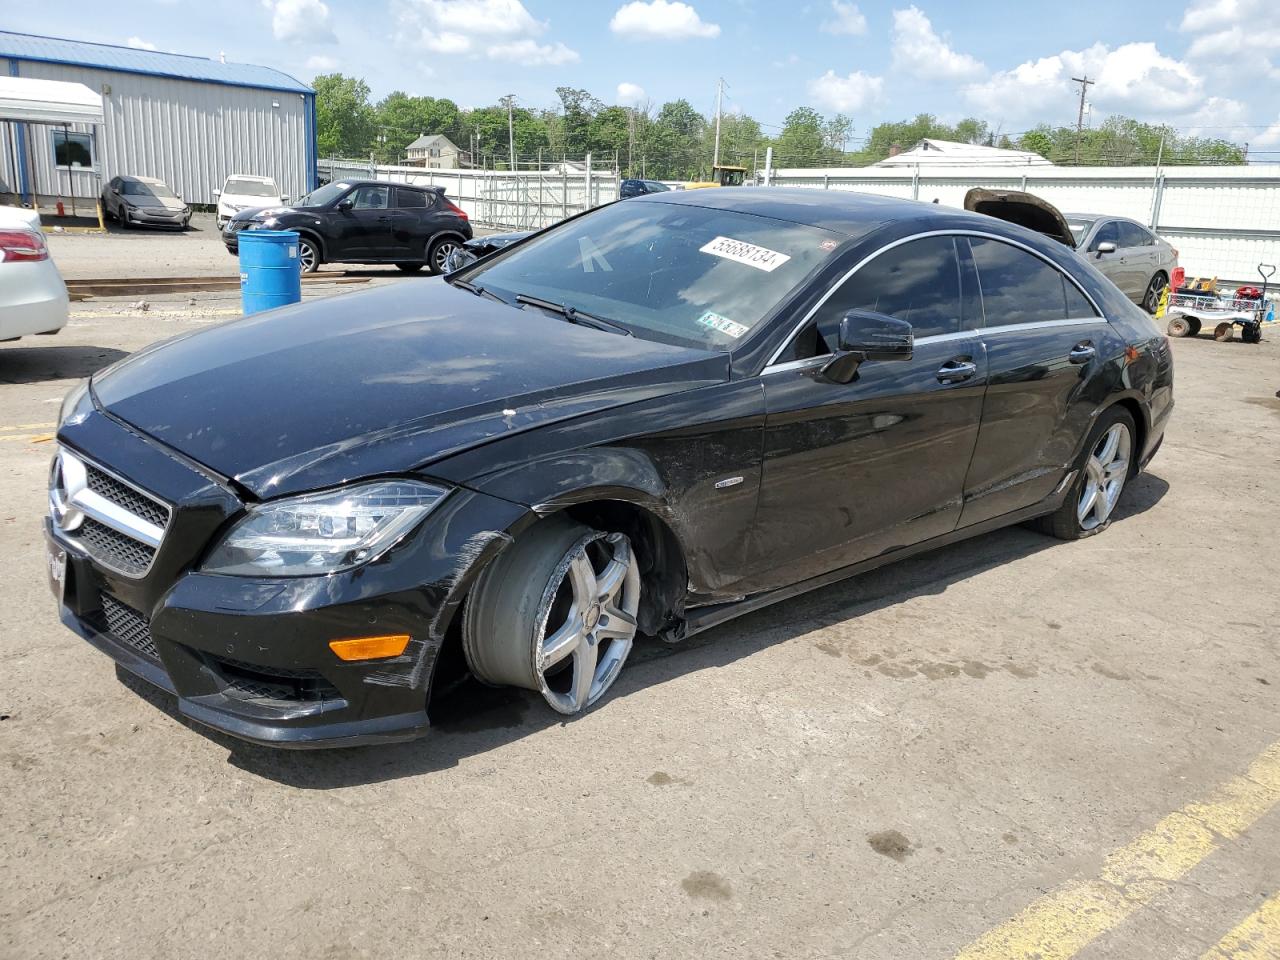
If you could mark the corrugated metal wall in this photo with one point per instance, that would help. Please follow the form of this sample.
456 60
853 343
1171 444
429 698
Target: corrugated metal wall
190 135
1223 220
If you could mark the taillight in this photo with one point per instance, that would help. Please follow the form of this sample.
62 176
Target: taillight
457 209
19 245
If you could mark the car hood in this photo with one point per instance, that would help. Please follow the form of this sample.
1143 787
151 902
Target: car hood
273 211
166 203
380 382
246 202
1024 209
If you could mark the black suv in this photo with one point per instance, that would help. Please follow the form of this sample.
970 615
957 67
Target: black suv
638 188
365 221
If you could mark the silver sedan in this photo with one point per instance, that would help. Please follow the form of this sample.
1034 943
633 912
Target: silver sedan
1131 256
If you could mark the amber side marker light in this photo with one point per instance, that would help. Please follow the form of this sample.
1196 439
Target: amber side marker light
370 648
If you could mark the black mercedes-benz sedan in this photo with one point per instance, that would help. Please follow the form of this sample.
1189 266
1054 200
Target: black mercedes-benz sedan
641 422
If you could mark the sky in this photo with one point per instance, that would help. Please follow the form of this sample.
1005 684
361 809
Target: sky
1205 66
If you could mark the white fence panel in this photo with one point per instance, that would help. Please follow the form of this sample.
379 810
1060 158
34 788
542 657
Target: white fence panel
1223 220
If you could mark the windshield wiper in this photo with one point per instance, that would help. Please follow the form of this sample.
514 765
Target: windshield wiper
574 315
470 287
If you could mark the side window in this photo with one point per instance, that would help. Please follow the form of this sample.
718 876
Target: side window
411 199
1078 305
371 198
918 282
1109 232
1016 286
1132 235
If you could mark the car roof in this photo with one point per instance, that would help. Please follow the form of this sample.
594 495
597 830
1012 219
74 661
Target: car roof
1102 216
249 176
151 180
388 183
840 211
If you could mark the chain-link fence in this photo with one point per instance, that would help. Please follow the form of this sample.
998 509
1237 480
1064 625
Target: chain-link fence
522 200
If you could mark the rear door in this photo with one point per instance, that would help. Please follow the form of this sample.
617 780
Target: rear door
409 220
1043 340
852 470
1141 256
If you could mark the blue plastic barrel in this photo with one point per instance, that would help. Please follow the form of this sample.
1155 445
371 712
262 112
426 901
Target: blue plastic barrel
270 271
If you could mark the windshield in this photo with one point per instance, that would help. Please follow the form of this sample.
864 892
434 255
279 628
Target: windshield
136 188
251 188
680 274
326 194
1079 228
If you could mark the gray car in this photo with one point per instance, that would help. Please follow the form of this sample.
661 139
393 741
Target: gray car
143 201
1127 253
1123 250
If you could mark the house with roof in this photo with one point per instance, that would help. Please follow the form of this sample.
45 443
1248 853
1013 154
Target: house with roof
189 121
435 150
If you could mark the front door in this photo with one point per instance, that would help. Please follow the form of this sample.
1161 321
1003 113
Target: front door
858 469
362 231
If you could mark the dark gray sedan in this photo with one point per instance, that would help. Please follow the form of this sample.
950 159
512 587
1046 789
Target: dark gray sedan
143 202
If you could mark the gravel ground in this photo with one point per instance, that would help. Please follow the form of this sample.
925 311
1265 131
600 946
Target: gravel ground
886 768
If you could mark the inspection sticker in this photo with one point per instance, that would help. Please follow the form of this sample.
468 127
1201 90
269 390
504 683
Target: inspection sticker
762 258
723 324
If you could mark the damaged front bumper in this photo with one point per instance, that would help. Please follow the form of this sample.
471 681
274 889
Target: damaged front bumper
250 657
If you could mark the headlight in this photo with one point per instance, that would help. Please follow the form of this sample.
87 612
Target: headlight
323 532
75 405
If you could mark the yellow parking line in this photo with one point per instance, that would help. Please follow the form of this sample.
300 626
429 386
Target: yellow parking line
1257 937
1063 922
26 437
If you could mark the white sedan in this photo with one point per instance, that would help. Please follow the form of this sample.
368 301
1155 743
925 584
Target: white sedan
33 298
243 191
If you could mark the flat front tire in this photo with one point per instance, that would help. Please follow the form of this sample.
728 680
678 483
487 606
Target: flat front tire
555 613
1101 475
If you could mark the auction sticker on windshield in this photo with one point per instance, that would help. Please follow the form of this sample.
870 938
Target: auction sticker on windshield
726 326
739 251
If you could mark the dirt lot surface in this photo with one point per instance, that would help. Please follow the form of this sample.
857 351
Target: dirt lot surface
1011 748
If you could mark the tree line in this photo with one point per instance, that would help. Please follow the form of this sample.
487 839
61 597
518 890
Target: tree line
674 141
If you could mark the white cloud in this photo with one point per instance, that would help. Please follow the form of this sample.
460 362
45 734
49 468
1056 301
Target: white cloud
917 48
137 43
848 19
300 21
1225 28
1134 79
661 20
631 94
500 29
846 94
530 53
322 64
1269 137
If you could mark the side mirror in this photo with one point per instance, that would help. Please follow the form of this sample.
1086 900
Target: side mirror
868 336
285 198
217 193
1106 246
345 204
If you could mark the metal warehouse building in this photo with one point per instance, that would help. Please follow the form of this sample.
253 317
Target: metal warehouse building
189 121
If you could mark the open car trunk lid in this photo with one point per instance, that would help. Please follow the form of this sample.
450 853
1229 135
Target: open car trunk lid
1024 209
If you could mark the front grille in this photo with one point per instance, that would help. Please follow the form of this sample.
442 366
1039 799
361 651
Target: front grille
235 226
128 626
123 495
252 682
115 549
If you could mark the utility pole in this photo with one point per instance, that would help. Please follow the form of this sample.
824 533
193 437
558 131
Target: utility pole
631 138
510 100
1085 84
715 160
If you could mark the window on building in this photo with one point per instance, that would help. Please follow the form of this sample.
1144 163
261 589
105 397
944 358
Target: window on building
72 149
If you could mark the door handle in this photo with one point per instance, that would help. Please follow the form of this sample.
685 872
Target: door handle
1082 352
956 371
384 219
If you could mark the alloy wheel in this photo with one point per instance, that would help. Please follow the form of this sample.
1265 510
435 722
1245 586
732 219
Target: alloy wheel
1152 300
1105 474
308 256
590 622
440 256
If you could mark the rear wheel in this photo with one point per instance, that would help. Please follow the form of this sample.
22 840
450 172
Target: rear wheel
1251 333
1100 480
1151 299
1224 332
1179 327
439 252
556 613
308 255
